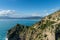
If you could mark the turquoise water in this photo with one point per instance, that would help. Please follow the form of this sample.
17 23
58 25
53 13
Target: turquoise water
6 24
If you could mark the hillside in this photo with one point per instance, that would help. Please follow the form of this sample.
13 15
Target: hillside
46 29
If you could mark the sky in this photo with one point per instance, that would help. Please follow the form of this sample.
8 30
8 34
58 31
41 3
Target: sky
24 8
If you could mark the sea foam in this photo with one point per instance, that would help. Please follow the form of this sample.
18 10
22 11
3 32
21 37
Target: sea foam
6 38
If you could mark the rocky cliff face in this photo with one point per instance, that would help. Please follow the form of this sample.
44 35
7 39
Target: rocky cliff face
46 29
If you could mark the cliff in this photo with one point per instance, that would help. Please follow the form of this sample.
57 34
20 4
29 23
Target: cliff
46 29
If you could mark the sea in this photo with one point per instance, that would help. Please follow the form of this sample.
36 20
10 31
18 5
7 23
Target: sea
6 24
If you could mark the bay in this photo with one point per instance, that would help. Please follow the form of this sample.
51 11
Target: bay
6 24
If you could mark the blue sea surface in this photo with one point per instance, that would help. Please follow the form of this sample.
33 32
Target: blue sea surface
6 24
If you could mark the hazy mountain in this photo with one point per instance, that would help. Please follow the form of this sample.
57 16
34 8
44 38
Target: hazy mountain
32 17
4 17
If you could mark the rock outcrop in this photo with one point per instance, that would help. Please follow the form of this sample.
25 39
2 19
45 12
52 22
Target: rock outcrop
46 29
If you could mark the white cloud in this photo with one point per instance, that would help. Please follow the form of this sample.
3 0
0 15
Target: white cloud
6 12
13 13
53 9
49 11
10 13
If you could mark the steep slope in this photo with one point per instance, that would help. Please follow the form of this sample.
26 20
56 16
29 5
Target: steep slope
45 29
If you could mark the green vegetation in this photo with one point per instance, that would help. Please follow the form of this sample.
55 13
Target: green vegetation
47 24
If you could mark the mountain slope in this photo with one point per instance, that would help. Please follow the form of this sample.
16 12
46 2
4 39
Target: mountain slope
46 29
